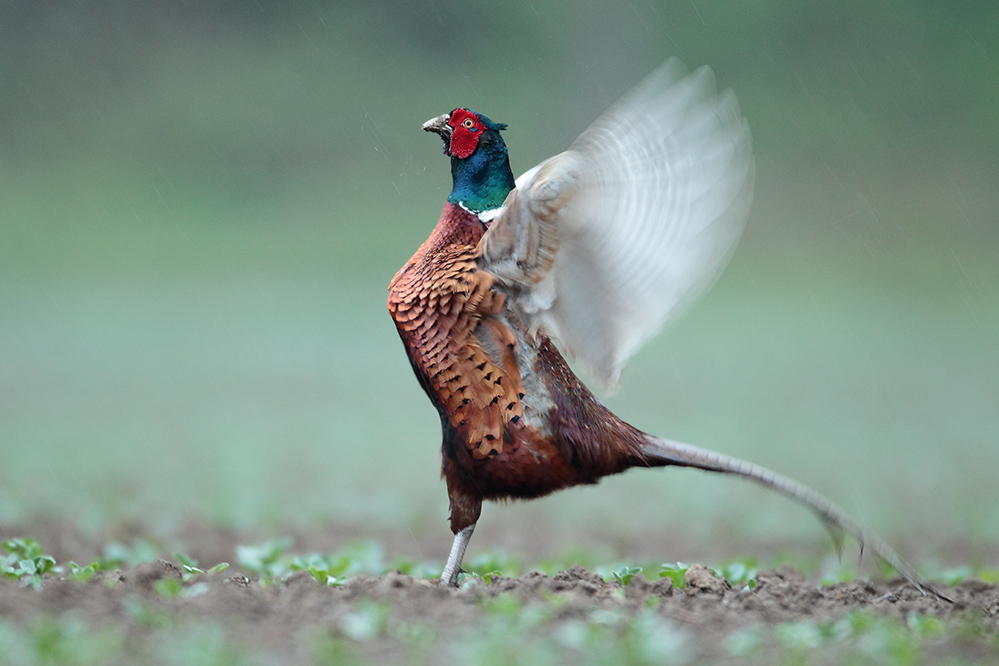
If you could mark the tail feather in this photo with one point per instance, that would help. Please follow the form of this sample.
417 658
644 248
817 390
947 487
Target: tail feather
658 451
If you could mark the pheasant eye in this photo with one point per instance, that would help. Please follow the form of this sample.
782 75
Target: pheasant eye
468 123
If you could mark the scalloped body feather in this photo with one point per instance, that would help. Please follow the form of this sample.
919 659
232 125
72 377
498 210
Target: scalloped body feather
517 423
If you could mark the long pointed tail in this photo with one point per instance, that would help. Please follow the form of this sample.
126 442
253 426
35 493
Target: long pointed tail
658 451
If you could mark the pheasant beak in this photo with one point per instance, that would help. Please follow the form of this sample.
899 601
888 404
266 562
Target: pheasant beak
439 125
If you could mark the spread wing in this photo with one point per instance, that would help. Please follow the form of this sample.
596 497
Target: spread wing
602 245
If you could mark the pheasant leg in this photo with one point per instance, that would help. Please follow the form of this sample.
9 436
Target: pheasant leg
453 567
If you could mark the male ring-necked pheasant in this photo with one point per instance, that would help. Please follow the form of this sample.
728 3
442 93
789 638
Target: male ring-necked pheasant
597 248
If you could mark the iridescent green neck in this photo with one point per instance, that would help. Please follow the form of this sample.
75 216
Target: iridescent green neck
483 179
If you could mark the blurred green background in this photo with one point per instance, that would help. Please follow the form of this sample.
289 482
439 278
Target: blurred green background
202 203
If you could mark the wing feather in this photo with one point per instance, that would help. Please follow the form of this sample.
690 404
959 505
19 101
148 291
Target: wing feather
603 245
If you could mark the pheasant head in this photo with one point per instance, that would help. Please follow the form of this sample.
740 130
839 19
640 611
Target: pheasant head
480 166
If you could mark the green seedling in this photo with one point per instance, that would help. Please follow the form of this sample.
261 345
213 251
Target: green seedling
26 562
23 549
190 567
263 559
321 568
625 574
270 561
187 562
358 557
352 559
82 574
496 564
488 577
741 572
677 573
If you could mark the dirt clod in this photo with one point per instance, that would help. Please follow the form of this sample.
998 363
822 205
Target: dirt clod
145 575
701 579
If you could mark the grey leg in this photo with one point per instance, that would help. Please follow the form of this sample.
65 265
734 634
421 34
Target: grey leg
450 576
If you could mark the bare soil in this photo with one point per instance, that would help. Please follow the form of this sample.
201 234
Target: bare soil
271 619
284 619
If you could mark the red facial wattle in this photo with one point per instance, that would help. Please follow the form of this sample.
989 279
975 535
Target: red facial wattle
466 130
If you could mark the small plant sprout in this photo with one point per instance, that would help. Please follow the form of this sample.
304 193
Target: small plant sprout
26 562
190 567
82 574
675 572
625 574
263 559
741 572
493 565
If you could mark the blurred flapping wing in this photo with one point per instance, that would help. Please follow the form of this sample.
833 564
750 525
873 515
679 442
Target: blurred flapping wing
601 246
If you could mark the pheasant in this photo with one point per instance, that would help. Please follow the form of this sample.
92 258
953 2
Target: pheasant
596 248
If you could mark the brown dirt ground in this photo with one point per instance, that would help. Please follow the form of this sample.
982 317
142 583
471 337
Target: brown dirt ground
273 619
